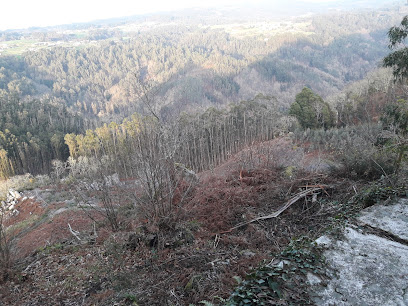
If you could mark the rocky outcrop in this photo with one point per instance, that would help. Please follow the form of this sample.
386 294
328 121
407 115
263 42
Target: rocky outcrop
13 197
369 263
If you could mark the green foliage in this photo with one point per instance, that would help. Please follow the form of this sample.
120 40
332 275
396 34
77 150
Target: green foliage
51 248
395 117
311 111
398 59
31 134
395 121
283 283
379 191
356 153
131 299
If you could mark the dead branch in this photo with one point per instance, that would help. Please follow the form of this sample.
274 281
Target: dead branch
278 212
322 187
74 233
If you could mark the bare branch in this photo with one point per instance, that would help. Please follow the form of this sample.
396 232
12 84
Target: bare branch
74 233
278 212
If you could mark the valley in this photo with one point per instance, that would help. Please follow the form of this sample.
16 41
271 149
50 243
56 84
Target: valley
194 156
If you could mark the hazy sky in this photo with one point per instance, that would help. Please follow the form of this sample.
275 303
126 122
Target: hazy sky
26 13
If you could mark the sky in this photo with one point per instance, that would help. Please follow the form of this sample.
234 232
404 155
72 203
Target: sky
18 14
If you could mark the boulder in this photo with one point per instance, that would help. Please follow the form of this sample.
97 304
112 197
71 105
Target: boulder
389 218
14 194
367 266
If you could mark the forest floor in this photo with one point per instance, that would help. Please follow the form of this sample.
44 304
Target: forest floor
194 255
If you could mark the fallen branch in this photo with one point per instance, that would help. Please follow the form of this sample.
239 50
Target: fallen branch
277 213
74 233
322 187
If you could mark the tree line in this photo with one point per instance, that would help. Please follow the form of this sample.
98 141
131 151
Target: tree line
199 141
48 93
32 134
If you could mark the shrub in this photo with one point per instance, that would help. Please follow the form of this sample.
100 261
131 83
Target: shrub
355 150
23 182
5 251
361 159
381 191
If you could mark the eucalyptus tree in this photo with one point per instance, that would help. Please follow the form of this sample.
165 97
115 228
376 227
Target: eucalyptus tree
398 59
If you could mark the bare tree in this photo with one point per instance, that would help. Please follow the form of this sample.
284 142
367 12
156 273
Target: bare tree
162 187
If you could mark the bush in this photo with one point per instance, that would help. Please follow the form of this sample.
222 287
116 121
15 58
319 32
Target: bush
361 159
355 150
5 251
23 182
381 191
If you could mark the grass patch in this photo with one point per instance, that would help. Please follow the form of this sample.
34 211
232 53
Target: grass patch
22 225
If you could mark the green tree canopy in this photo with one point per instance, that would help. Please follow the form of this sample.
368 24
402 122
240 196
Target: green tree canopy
311 111
398 59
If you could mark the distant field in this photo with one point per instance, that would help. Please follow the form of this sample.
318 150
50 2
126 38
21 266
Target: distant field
262 30
18 47
265 29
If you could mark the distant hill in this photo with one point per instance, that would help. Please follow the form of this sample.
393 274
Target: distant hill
184 61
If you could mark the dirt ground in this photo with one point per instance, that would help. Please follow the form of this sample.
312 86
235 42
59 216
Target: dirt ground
194 255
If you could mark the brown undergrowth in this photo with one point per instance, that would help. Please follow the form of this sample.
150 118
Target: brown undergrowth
192 255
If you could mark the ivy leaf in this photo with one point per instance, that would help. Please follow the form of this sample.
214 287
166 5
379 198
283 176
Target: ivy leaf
275 287
237 279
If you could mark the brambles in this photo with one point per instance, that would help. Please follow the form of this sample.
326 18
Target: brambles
381 191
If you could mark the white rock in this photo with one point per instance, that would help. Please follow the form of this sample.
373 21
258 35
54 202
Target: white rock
313 279
389 218
14 193
17 195
369 270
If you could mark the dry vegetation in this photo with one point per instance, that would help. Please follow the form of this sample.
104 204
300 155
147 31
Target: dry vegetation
192 253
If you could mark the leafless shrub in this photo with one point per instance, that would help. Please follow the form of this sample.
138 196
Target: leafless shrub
5 251
59 168
83 167
271 154
163 184
100 197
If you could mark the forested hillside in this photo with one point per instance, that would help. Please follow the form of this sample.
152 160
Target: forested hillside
84 77
195 157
